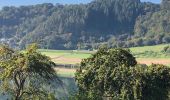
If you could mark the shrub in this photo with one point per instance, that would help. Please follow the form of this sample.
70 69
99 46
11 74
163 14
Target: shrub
166 49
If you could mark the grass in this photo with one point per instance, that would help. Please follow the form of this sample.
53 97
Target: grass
66 53
71 74
150 52
75 56
156 48
78 55
65 72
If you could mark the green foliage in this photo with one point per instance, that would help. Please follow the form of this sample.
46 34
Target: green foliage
154 26
107 56
66 26
20 71
166 49
95 72
121 23
109 74
165 4
156 82
51 97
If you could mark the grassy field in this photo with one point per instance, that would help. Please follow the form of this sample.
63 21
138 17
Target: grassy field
66 53
66 56
154 52
141 53
156 48
65 72
151 54
144 55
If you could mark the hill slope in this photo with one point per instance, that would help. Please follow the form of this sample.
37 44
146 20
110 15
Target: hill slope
118 23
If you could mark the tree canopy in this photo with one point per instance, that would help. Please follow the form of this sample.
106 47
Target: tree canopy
24 74
114 74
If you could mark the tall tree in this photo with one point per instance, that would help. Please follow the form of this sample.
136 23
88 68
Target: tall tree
95 74
24 74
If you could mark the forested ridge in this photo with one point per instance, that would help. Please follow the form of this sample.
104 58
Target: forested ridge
117 23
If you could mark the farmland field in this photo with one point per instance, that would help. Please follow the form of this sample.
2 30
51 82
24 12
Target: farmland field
64 72
144 55
66 56
156 48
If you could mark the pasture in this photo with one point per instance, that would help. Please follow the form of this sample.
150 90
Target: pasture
144 55
66 56
148 54
156 48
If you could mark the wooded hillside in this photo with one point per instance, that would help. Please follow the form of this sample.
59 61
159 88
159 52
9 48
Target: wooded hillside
117 23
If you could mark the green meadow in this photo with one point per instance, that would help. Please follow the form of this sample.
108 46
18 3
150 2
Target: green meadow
138 52
142 54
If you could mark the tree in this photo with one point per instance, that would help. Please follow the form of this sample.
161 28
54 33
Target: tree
114 74
94 76
24 74
154 82
165 4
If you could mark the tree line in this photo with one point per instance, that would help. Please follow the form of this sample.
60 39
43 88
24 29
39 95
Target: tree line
117 23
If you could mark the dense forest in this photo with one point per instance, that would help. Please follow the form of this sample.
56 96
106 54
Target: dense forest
117 23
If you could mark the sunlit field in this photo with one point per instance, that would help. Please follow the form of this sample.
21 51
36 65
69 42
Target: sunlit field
144 55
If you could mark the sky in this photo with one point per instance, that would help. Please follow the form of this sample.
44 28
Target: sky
33 2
